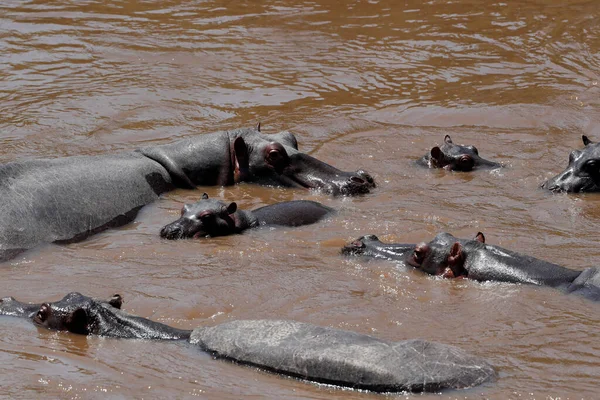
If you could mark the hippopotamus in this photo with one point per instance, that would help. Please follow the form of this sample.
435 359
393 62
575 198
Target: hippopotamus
297 349
209 217
452 257
454 157
67 199
583 172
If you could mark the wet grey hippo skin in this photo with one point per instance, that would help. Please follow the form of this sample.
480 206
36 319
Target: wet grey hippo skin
452 257
209 217
454 157
67 199
583 172
313 353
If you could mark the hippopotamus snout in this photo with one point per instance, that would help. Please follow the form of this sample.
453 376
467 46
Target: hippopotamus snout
565 182
358 183
175 230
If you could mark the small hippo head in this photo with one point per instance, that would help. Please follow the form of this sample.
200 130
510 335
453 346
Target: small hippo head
208 217
275 160
583 172
75 313
454 157
442 256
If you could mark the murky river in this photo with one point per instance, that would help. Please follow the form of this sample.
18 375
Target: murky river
365 84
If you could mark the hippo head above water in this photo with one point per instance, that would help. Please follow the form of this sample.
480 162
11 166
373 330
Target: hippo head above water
207 217
454 157
84 315
583 172
275 160
442 256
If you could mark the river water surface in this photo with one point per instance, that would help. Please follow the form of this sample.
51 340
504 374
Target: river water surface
363 84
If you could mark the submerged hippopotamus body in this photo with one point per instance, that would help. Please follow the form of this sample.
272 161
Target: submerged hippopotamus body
583 172
454 157
209 217
67 199
313 353
452 257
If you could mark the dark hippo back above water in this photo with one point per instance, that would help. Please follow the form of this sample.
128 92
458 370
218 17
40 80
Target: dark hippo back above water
583 172
314 353
454 157
344 358
67 199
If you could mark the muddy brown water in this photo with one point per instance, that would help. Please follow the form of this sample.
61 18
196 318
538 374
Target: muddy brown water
363 84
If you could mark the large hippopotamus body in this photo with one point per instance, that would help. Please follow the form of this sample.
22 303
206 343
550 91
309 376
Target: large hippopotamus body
306 351
67 199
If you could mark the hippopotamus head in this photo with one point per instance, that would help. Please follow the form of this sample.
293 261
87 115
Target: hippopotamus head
84 315
454 157
442 256
583 172
207 217
13 308
275 160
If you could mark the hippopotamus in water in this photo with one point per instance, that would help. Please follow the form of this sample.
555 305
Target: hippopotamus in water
452 257
209 217
305 351
454 157
67 199
582 173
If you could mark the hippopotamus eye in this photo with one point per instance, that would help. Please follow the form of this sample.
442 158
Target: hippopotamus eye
466 163
591 166
206 215
474 149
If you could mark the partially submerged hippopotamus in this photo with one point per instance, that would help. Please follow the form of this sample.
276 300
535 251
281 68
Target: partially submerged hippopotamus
305 351
209 217
583 172
454 157
452 257
67 199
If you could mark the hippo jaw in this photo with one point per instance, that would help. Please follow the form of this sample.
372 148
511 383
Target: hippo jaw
304 171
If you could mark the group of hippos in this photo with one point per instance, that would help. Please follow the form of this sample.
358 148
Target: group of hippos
67 199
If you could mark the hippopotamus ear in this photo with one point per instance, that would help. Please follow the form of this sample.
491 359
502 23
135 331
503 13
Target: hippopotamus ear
116 301
447 139
437 154
480 237
455 254
204 196
586 140
78 322
258 126
241 160
232 207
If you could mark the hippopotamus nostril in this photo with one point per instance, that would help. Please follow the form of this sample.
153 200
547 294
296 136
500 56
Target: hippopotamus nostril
366 176
370 237
171 232
358 180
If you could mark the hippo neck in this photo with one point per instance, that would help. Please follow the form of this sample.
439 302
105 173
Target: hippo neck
493 263
201 160
112 322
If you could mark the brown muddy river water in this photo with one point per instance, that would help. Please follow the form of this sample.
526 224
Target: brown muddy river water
365 84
